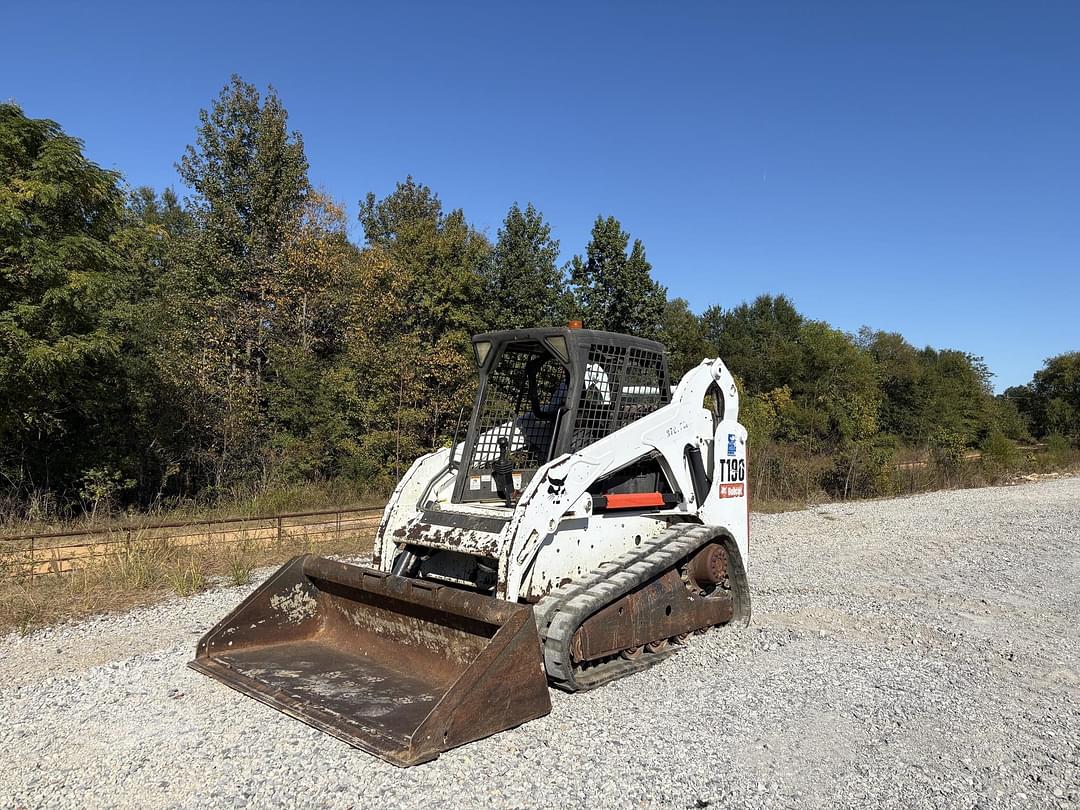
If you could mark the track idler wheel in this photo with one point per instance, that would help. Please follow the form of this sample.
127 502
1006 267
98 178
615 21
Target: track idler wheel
708 569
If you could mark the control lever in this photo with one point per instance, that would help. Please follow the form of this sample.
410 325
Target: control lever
502 472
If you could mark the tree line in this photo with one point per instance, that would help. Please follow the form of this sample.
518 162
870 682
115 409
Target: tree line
157 349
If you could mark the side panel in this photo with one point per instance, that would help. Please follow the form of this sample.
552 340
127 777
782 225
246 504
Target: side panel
404 503
584 543
728 501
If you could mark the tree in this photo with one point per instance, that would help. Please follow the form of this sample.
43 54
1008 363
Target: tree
423 272
61 277
840 383
901 377
760 342
524 286
163 315
683 335
249 174
162 211
442 256
1051 401
319 305
956 393
841 390
615 290
1003 416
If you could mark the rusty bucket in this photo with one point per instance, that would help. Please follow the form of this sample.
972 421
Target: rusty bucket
401 668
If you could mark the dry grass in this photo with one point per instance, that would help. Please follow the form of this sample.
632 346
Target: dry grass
145 572
149 570
785 483
41 511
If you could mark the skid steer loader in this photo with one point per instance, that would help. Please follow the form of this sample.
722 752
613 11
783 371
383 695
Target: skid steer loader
591 519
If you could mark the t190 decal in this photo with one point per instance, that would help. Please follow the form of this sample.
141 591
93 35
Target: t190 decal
730 470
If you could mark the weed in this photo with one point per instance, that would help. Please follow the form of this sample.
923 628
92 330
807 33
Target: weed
186 577
239 565
139 565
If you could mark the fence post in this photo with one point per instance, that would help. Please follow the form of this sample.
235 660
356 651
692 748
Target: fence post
337 528
279 530
33 564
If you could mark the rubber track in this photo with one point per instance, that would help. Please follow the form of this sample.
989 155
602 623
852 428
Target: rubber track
560 613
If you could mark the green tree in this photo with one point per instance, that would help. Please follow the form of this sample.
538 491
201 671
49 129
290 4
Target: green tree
1003 416
841 390
903 395
956 392
443 257
1052 400
524 285
684 336
249 175
422 273
760 342
61 276
163 314
1022 398
840 383
614 290
163 211
320 305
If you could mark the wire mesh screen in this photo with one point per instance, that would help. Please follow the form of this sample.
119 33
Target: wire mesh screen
622 384
522 397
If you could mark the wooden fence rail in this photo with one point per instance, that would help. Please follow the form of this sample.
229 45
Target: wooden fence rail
45 553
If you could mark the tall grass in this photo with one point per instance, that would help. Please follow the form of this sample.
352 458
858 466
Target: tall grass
145 571
41 511
785 476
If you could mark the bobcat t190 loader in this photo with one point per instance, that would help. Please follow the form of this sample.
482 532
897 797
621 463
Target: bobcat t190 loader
590 520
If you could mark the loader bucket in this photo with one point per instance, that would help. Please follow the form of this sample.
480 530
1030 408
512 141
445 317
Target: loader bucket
402 668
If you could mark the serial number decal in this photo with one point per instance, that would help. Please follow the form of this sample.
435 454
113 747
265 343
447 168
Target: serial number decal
674 430
731 470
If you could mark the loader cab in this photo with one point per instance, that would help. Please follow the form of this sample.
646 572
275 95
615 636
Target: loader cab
547 392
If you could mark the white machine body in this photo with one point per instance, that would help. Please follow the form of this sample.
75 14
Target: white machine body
554 531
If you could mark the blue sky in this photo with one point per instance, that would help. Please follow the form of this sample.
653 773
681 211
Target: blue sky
914 167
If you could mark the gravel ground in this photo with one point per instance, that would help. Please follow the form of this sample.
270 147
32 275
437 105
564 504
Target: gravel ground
920 652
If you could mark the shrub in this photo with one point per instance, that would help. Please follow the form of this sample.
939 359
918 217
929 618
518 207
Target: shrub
1058 451
185 576
948 449
999 454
